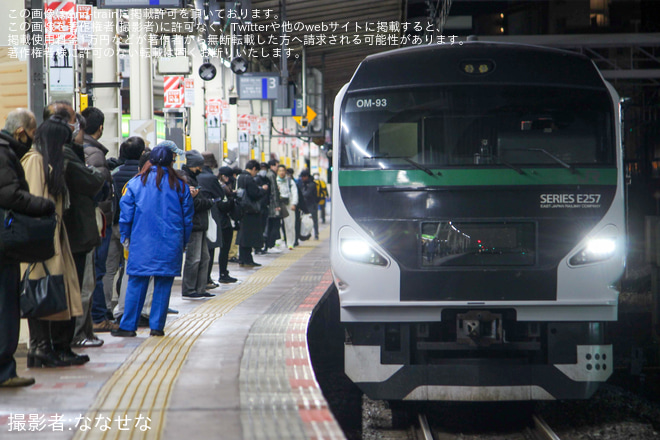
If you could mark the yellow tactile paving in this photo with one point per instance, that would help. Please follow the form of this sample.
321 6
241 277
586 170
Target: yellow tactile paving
143 385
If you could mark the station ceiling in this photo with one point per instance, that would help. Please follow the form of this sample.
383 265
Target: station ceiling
337 62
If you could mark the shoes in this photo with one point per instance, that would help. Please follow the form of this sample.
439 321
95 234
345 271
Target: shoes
87 342
226 279
66 355
157 333
123 333
17 381
233 260
296 243
143 321
252 264
290 248
260 252
208 295
275 251
172 311
105 326
212 285
45 357
316 237
194 295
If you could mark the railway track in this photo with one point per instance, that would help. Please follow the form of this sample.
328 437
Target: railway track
538 430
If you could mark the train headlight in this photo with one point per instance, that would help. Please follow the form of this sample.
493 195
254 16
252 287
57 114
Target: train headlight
597 249
358 250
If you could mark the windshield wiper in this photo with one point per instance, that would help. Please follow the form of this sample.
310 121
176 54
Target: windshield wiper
553 157
407 159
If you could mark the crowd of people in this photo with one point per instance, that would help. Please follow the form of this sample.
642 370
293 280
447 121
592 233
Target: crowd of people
126 227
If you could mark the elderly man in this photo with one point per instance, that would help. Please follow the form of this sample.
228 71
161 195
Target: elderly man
15 141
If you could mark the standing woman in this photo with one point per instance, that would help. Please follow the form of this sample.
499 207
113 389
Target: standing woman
44 172
155 223
250 234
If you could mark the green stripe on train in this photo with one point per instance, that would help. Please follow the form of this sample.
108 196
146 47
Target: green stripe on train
483 177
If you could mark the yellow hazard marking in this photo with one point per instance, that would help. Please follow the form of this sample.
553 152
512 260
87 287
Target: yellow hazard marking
142 386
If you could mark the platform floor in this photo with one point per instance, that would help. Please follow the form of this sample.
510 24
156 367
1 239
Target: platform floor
231 367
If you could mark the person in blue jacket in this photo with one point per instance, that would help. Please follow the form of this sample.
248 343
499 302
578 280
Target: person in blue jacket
155 223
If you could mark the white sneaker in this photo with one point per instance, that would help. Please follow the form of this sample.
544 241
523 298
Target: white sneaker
274 251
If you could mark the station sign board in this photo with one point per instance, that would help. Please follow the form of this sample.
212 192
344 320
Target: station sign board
258 86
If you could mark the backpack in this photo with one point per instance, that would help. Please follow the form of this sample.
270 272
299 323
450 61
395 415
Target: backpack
321 191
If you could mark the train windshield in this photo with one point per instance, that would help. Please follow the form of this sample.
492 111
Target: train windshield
477 125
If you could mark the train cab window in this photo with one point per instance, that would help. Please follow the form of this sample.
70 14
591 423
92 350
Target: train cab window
477 125
398 139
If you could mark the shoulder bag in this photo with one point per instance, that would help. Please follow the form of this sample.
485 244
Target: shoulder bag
26 239
248 206
42 297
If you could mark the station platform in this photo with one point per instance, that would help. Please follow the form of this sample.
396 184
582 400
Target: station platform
235 366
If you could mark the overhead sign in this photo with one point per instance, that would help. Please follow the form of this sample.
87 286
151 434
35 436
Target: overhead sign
258 86
180 65
311 114
207 71
128 4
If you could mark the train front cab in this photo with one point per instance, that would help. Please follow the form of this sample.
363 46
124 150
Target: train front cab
428 319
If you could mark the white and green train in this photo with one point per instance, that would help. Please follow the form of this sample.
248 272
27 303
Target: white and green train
478 223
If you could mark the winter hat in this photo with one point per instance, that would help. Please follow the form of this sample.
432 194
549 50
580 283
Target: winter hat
209 159
194 159
172 147
162 156
226 171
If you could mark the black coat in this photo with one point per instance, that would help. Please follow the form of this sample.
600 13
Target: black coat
83 183
309 194
212 189
200 201
302 206
14 189
265 200
251 232
120 176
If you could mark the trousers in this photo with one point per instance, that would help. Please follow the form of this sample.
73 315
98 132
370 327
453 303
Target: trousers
135 296
10 318
195 269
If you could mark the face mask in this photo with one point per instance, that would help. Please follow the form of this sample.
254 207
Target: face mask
28 142
196 173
